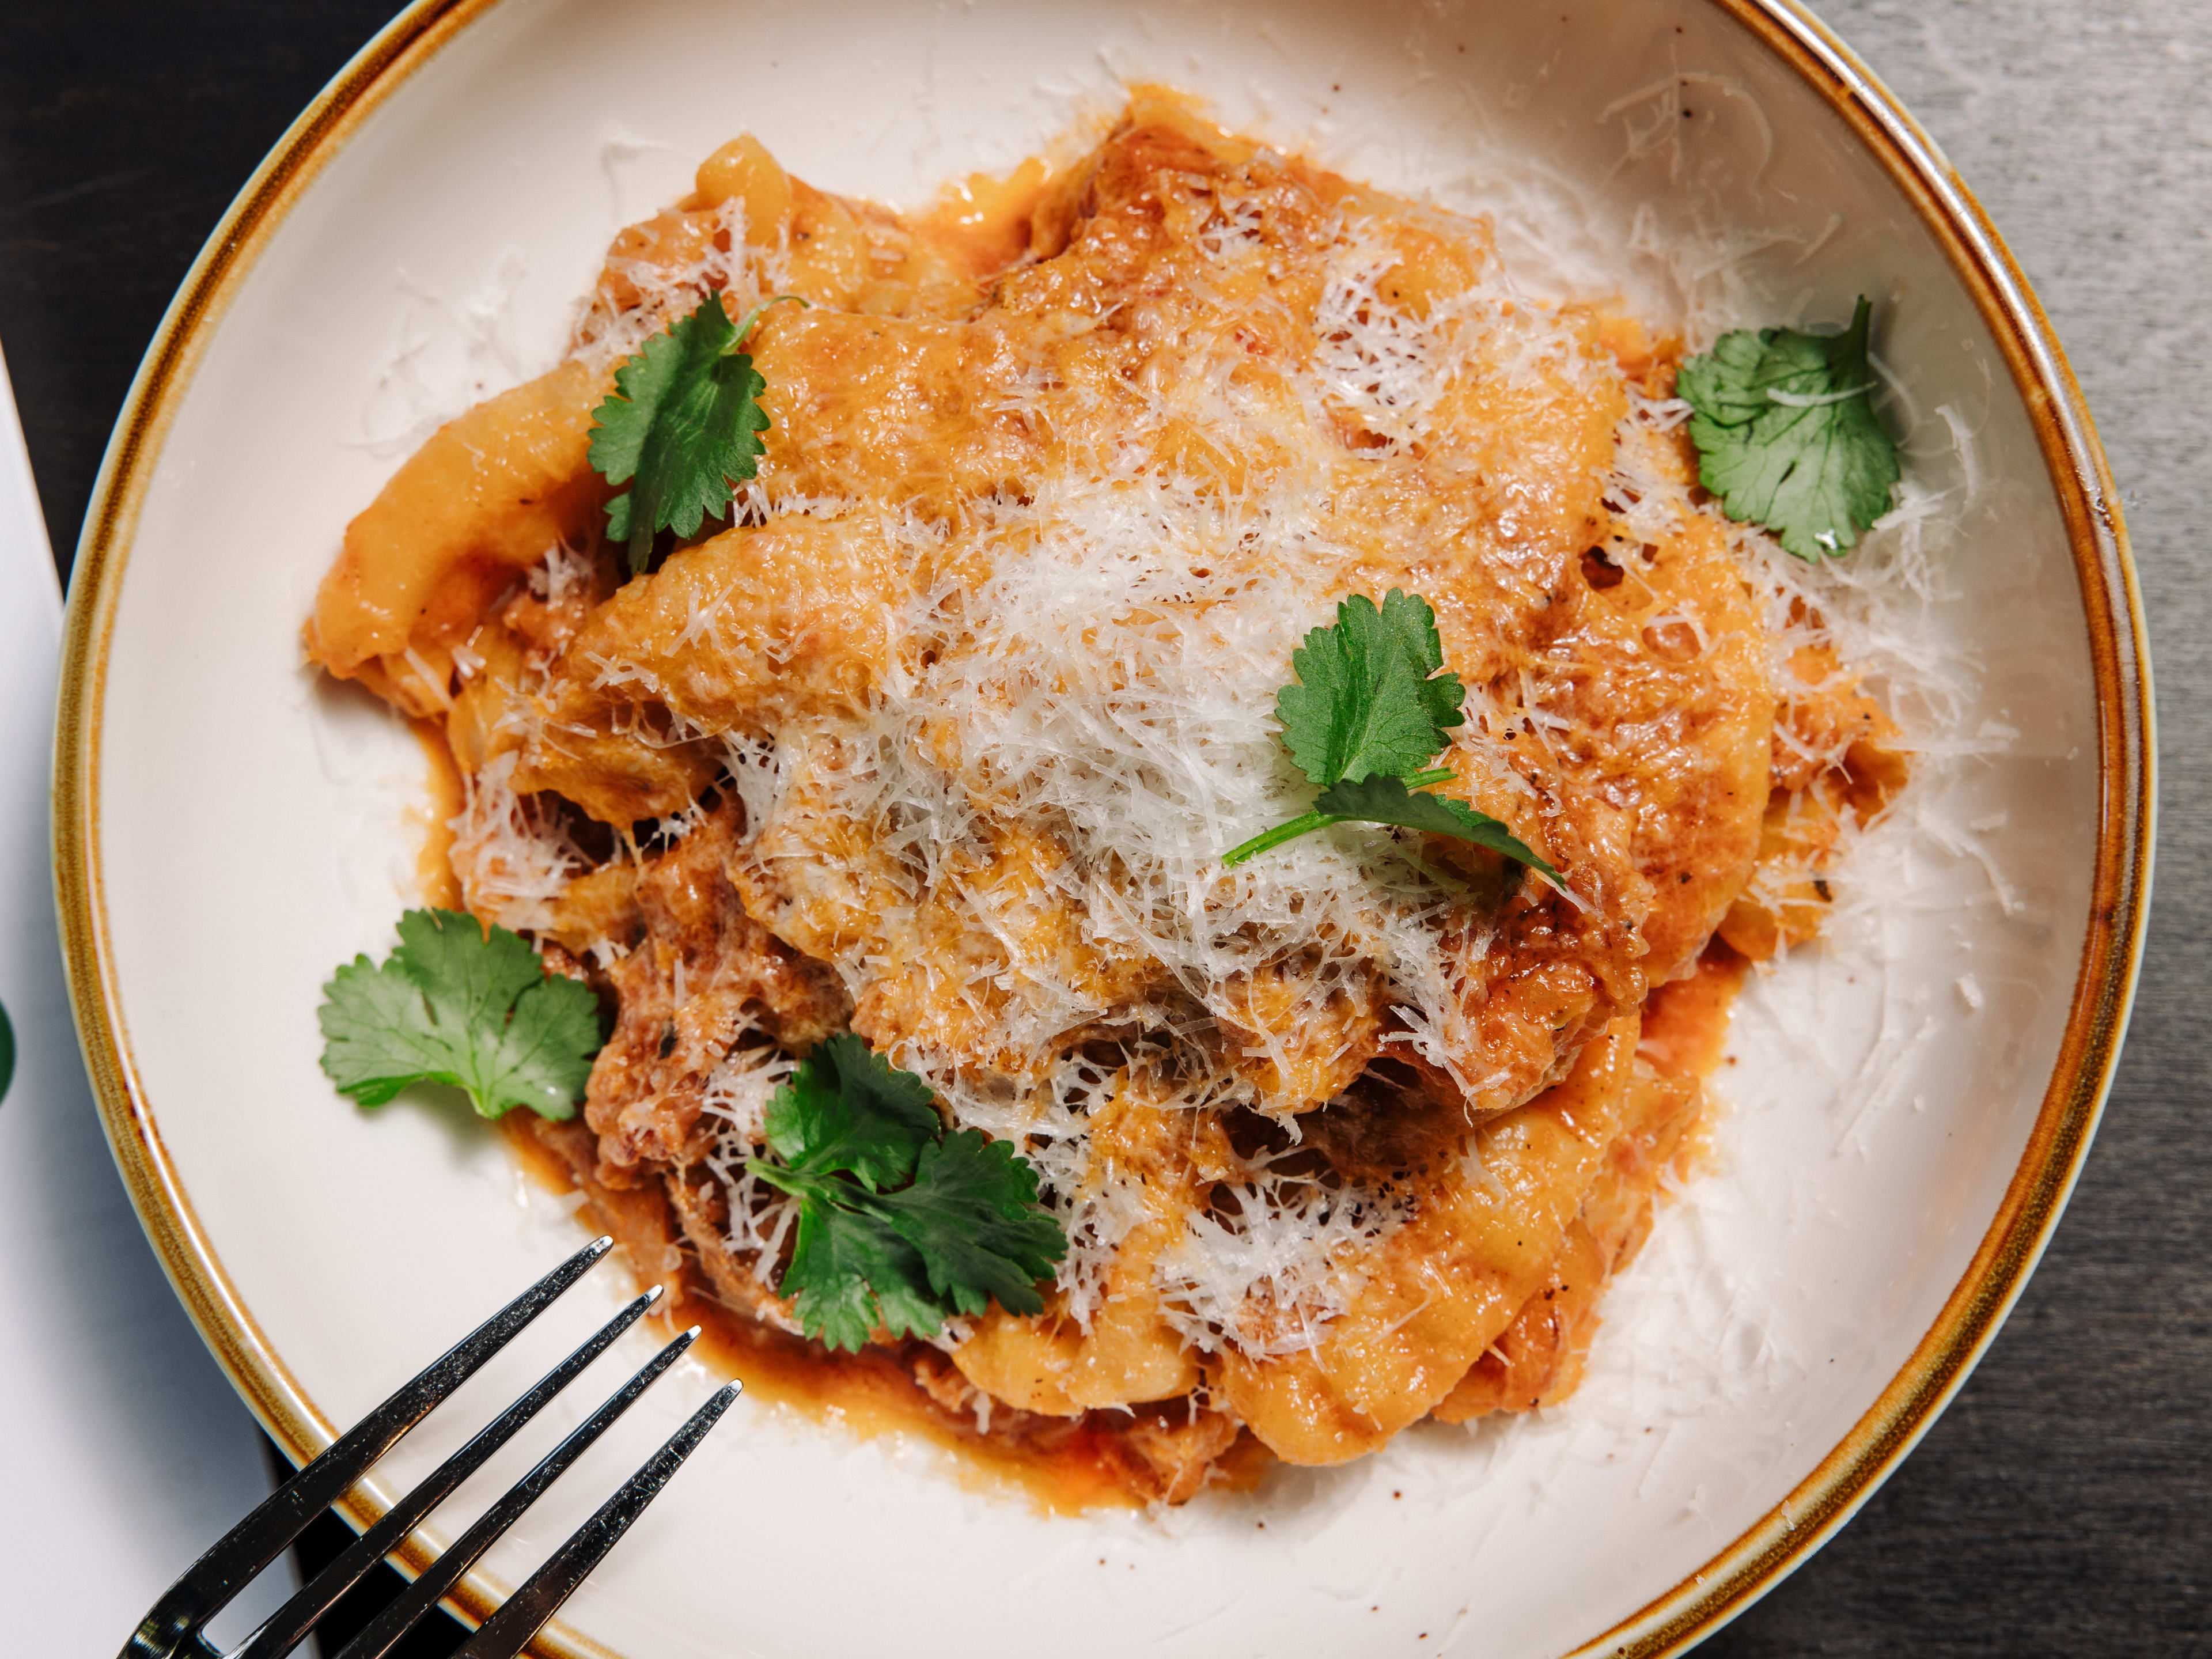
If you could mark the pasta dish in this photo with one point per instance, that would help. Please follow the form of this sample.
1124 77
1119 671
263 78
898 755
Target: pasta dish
939 735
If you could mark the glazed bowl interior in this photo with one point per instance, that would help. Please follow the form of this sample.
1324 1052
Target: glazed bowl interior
1903 1110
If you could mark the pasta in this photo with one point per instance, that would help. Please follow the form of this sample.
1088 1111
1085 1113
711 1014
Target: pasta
940 740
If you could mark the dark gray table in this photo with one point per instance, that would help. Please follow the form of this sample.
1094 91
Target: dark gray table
2060 1507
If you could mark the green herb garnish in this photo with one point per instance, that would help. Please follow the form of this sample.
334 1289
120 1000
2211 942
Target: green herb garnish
899 1222
683 421
1786 436
1370 707
458 1006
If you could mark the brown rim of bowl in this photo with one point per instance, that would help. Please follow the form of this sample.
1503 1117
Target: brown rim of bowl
1766 1552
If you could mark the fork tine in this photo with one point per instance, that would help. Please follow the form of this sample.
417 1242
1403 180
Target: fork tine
527 1611
378 1635
208 1586
281 1632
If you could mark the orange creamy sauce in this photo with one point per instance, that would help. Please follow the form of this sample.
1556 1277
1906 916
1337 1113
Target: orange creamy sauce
985 221
1686 1022
1685 1028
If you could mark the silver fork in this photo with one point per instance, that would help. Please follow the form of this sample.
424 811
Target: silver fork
172 1629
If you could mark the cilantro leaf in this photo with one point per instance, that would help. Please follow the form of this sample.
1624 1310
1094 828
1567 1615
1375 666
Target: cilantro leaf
1787 436
684 419
1364 702
848 1109
453 1005
851 1271
1371 704
1387 800
973 1216
899 1223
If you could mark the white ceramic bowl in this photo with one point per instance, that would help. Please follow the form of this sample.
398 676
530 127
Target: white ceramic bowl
1902 1136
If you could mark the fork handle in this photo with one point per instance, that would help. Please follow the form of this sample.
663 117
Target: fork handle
171 1630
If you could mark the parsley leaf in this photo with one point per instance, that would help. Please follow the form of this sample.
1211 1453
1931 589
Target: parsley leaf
899 1223
456 1005
1387 800
848 1109
973 1216
1371 704
684 419
1787 436
852 1273
1363 702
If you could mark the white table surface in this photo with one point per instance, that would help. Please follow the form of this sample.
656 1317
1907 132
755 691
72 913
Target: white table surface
124 1451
